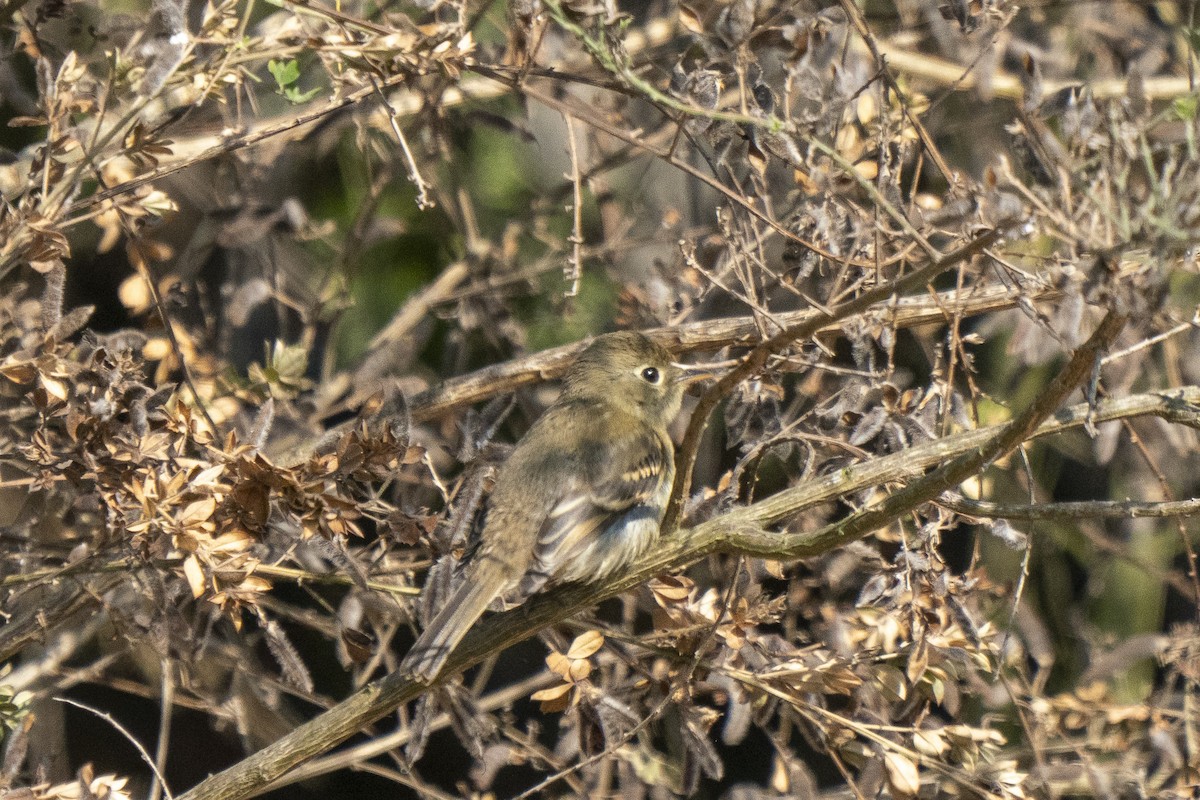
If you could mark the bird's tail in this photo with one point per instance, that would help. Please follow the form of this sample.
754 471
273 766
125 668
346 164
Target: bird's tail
447 628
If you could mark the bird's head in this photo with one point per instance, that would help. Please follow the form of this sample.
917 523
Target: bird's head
632 372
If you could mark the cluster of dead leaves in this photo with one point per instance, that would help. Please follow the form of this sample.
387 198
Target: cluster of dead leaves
94 439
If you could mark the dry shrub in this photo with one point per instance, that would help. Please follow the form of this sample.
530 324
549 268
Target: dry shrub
904 565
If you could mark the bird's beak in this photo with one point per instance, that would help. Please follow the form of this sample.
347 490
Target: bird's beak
694 373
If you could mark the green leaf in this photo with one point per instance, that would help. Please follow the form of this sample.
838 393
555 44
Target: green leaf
297 96
1185 107
285 72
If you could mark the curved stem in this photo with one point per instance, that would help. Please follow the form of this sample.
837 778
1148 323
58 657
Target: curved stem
739 530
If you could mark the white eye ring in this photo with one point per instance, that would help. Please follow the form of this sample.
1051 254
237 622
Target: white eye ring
650 375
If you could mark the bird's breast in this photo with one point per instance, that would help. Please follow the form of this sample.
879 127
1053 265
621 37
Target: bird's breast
623 541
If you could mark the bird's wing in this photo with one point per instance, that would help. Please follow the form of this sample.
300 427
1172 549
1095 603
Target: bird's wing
632 479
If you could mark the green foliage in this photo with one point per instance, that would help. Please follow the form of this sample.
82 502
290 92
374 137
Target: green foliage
1185 108
286 74
282 374
13 704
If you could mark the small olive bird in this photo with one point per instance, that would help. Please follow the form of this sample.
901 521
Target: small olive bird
581 496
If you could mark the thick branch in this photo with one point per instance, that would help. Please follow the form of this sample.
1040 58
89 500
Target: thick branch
1180 406
1072 511
950 474
740 530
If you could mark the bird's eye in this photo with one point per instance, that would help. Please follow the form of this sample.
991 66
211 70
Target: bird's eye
651 375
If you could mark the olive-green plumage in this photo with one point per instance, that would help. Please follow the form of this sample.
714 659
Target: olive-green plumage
581 496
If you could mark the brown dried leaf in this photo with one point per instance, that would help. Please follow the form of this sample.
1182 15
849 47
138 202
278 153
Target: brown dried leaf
359 646
585 645
930 742
554 699
580 670
54 388
21 372
197 513
253 500
559 664
903 778
692 21
194 574
671 589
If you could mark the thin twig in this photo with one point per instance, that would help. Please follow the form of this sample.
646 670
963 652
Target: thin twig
414 172
931 148
757 358
697 337
574 269
122 730
166 712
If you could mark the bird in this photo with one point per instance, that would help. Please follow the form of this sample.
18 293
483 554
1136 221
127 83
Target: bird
582 494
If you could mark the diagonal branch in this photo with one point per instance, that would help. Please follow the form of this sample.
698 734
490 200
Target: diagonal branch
709 335
950 474
740 530
756 359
